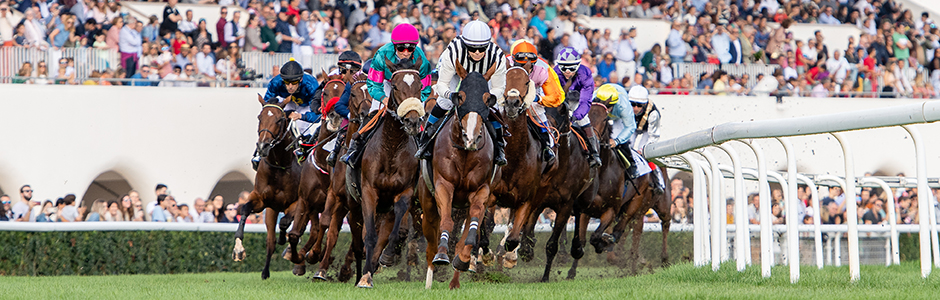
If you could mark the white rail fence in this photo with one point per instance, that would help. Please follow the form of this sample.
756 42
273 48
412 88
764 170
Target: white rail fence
707 177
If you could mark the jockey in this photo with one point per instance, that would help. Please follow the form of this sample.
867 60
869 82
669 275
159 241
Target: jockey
647 126
349 63
548 90
621 115
299 87
475 52
404 45
576 77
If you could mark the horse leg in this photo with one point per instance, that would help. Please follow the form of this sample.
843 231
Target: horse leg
600 239
270 217
519 222
551 247
357 245
300 226
488 224
383 230
462 260
238 252
336 223
528 240
370 199
443 197
635 248
316 237
578 242
429 226
402 203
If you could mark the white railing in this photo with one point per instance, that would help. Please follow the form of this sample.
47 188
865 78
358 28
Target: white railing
709 172
86 59
696 69
262 62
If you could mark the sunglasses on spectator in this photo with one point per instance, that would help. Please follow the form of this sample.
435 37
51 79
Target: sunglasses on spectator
230 209
568 68
525 57
189 70
6 202
62 62
27 191
405 47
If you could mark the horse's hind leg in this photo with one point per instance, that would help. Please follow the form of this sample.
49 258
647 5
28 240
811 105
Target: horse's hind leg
336 223
357 245
578 242
429 226
369 202
600 240
551 247
443 197
238 252
394 238
488 224
635 247
462 260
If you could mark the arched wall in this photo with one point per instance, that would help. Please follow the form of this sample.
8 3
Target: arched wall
108 186
230 185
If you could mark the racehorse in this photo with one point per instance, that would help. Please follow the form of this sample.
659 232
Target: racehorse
642 199
275 182
570 180
315 178
519 180
611 202
339 204
389 168
463 168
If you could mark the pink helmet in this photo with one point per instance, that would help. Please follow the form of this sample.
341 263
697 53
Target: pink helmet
404 33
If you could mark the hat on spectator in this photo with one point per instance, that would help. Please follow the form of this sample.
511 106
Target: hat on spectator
638 94
405 33
476 33
283 9
568 56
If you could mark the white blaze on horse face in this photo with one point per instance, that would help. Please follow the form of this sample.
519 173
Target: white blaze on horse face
408 79
270 114
474 128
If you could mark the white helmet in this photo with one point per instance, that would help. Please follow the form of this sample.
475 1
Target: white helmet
639 94
476 33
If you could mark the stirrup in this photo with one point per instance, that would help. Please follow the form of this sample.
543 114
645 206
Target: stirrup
331 159
548 155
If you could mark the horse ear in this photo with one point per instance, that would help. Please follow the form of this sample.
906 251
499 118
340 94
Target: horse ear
460 70
490 72
261 99
284 102
390 66
490 99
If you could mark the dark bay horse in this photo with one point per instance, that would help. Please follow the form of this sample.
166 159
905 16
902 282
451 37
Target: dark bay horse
613 200
519 180
642 199
389 168
315 179
275 182
339 204
463 168
570 180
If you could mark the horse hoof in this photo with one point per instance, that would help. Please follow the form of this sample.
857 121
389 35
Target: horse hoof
286 254
473 264
510 259
300 269
320 275
488 259
460 265
238 256
265 274
577 253
511 245
609 239
312 257
365 282
387 260
345 273
441 259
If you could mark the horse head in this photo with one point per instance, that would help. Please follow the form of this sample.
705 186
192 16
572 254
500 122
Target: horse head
405 99
520 92
572 99
472 110
329 96
272 125
598 116
359 100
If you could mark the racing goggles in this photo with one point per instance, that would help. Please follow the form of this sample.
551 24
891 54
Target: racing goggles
525 57
476 48
292 82
568 68
405 47
349 68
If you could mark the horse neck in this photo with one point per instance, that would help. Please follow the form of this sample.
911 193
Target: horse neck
280 155
521 141
393 136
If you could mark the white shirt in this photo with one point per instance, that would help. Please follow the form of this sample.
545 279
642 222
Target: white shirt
625 50
789 72
840 67
579 42
318 33
205 64
6 26
187 26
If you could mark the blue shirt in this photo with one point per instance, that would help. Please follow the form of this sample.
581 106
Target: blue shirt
158 215
540 25
303 95
722 45
140 83
622 112
59 39
604 69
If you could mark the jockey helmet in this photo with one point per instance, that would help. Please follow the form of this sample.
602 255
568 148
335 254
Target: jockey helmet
523 52
350 57
639 94
476 33
568 56
405 33
292 71
607 94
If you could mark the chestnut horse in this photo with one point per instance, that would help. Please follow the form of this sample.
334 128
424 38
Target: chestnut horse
519 179
389 168
463 168
339 204
613 199
315 179
275 182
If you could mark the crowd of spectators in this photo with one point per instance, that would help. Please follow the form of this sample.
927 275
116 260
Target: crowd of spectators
703 31
128 208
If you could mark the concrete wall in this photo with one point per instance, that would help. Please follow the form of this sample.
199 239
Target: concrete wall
60 138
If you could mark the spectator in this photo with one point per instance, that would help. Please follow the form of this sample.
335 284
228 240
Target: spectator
253 41
170 79
20 211
142 77
205 62
230 214
5 213
201 35
130 46
113 212
283 28
34 30
159 190
46 212
233 32
26 70
218 204
379 35
171 16
183 216
753 209
151 31
626 53
68 212
98 209
8 22
187 79
220 25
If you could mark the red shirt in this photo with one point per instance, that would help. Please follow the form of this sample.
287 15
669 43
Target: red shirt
220 30
811 75
869 63
799 55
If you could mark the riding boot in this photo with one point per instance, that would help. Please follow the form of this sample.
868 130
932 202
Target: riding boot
592 143
255 160
499 156
547 154
430 129
331 159
656 182
352 155
626 152
305 143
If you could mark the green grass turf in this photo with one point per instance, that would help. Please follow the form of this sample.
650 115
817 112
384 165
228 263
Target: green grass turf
681 281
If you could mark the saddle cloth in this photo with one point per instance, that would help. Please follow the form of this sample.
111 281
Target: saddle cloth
642 166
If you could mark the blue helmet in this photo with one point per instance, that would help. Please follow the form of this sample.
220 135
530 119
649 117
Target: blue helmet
568 56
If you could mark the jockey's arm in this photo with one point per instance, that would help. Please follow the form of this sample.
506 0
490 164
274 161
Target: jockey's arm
625 114
587 90
342 106
376 82
425 73
498 81
551 87
273 86
653 129
445 72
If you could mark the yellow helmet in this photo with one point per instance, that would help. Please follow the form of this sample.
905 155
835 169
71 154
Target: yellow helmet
607 94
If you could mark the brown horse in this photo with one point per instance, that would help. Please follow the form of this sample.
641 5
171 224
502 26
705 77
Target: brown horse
389 168
642 199
315 179
519 180
276 181
339 204
463 168
613 199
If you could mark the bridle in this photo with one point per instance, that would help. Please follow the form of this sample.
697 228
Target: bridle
522 94
606 126
365 95
391 96
263 151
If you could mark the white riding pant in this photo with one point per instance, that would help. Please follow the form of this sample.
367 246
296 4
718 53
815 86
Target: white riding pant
540 116
302 127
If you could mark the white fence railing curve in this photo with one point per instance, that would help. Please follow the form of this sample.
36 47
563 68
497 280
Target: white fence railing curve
709 172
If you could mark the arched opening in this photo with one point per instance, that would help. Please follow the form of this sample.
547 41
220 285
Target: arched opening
230 185
109 186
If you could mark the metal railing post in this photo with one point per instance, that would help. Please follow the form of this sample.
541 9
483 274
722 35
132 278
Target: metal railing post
793 235
698 231
923 202
740 209
766 250
895 255
716 210
817 232
851 207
